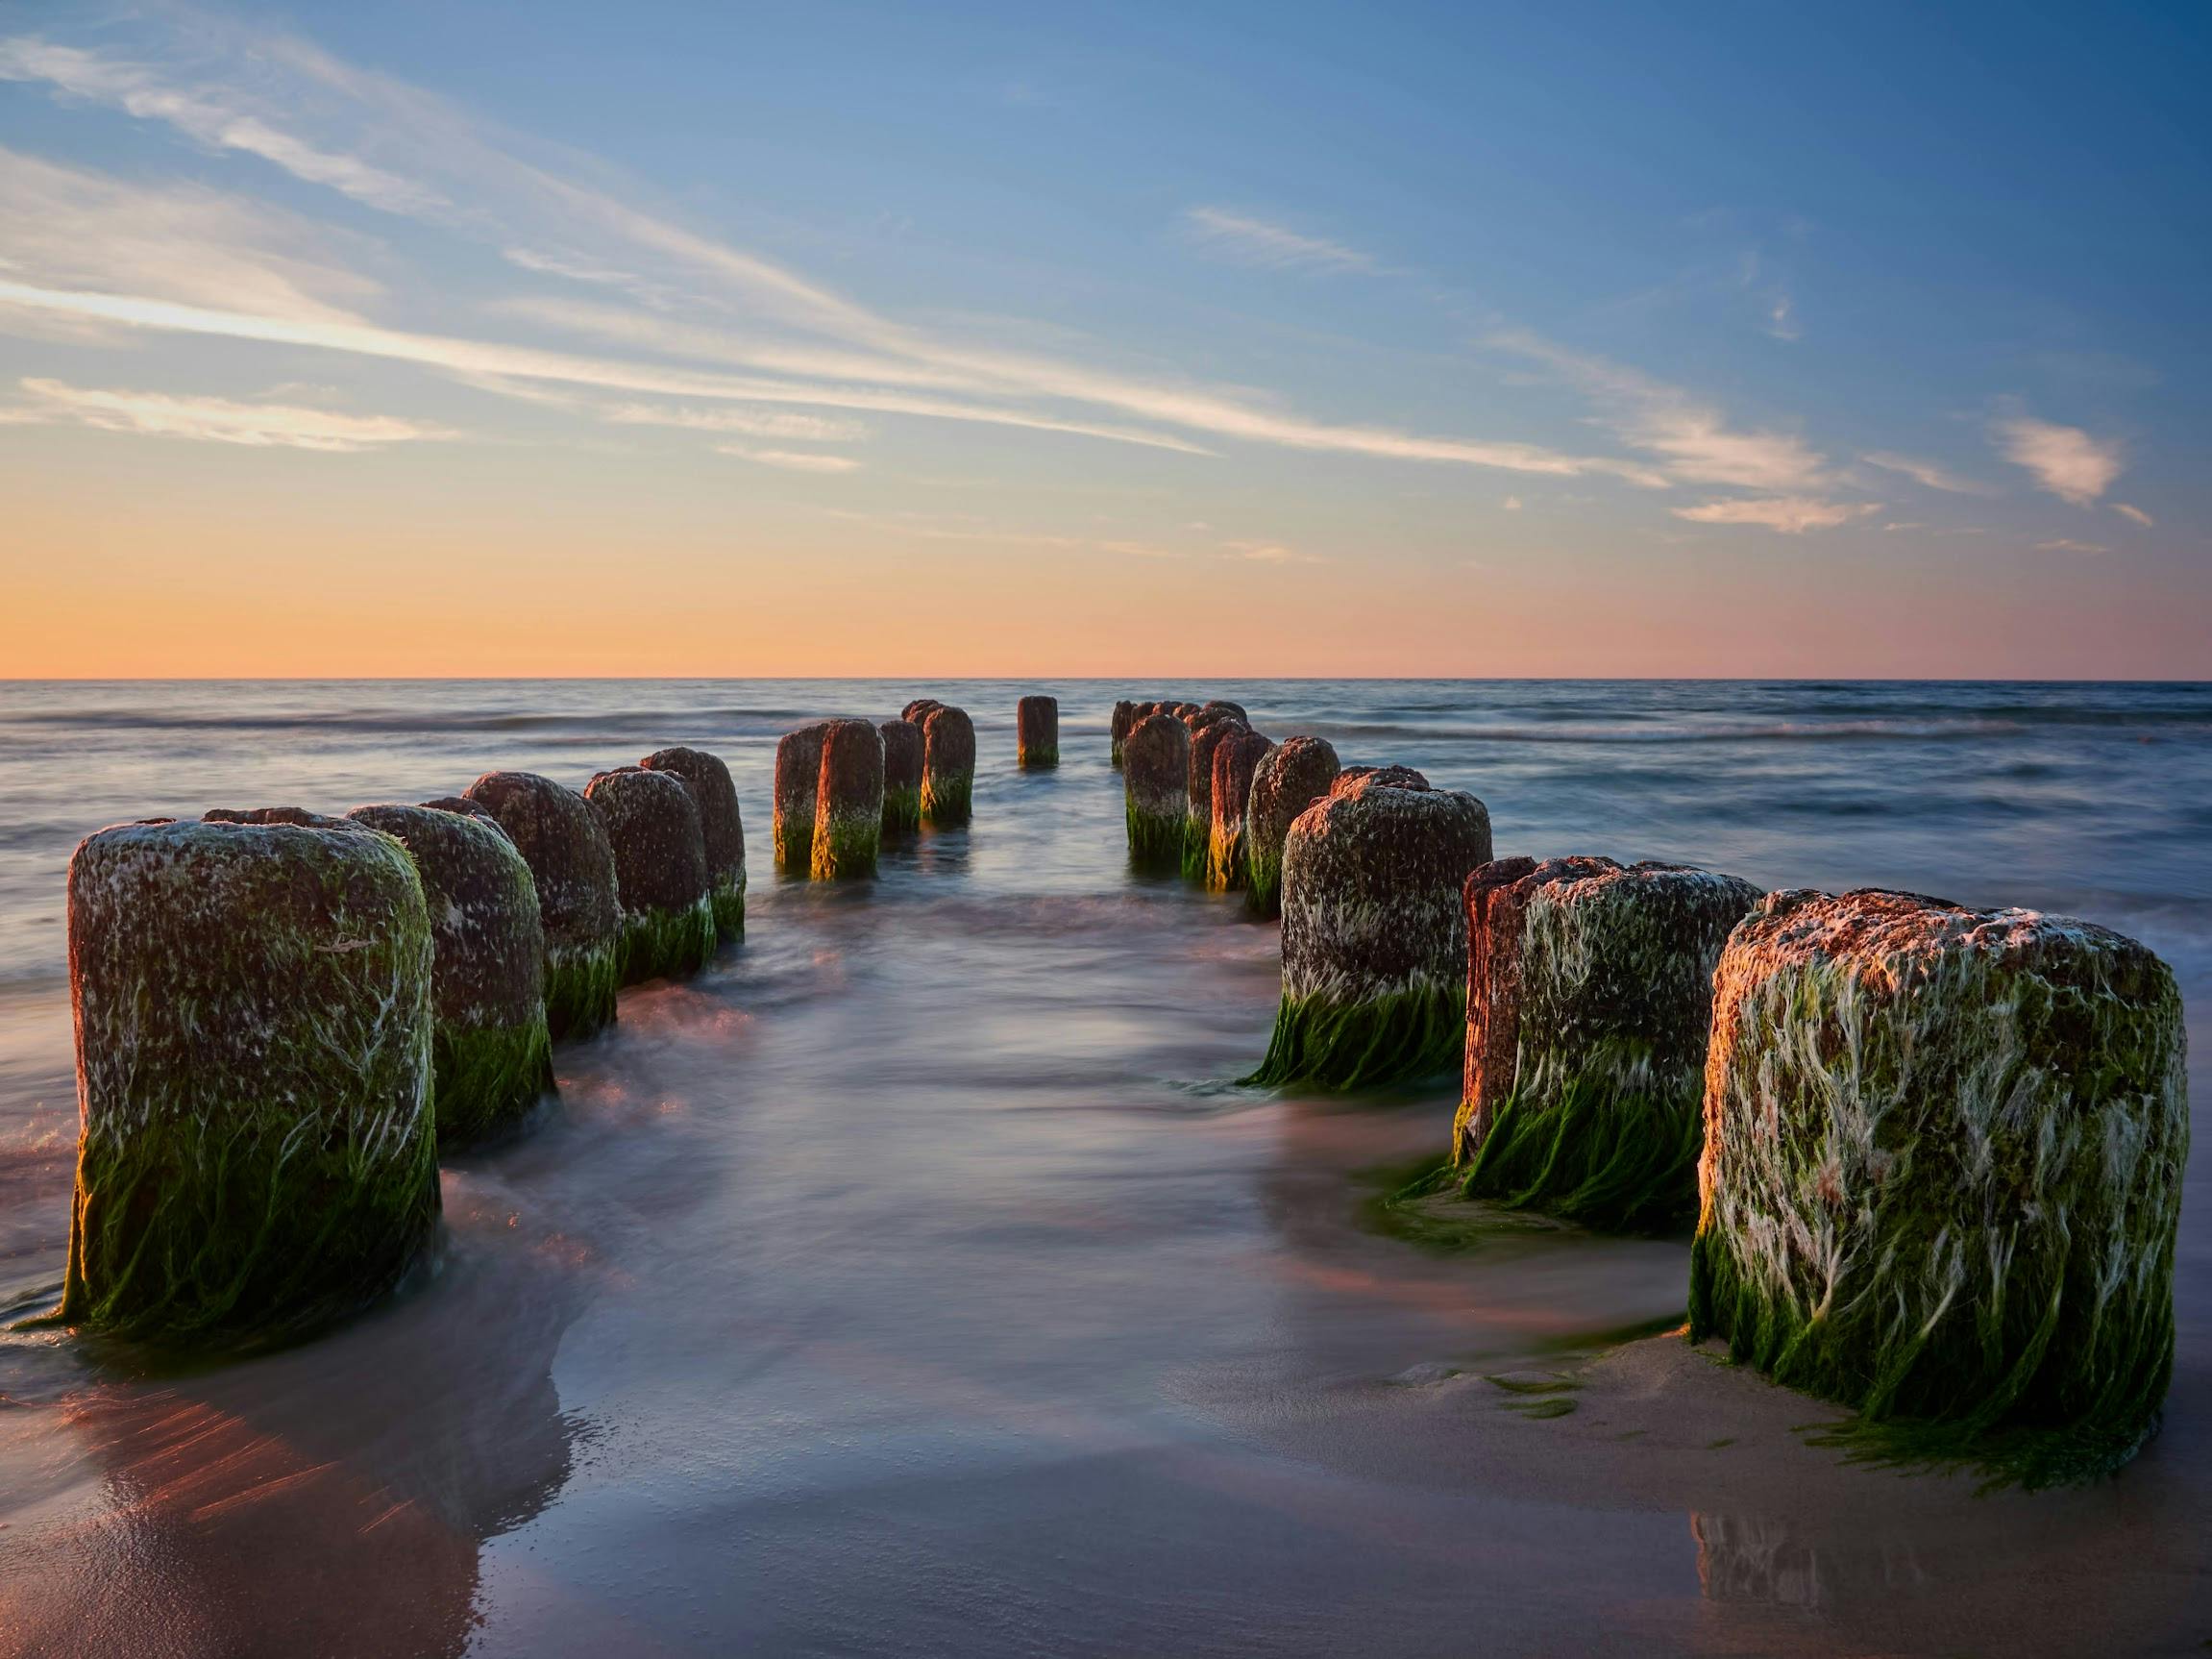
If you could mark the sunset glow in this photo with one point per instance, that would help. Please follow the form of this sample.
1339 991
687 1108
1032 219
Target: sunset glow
1092 346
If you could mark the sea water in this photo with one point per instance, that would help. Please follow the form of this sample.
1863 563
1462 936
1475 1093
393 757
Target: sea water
916 1280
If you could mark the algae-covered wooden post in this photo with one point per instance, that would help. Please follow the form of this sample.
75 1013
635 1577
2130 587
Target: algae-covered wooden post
491 1051
901 777
797 782
564 843
1236 758
1589 991
848 804
253 1007
1037 734
660 871
1289 778
947 766
1155 773
1126 716
1199 789
1375 933
720 822
1942 1175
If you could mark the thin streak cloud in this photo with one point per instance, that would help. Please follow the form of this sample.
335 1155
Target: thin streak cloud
215 420
1246 240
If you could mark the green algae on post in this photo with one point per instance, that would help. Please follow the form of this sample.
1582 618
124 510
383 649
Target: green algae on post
1199 789
1155 773
798 783
849 806
1375 933
1589 992
1235 757
1289 778
1037 734
1942 1177
660 871
259 1151
947 766
901 777
491 1054
564 843
722 825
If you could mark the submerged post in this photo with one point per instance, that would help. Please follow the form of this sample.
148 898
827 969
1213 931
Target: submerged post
490 1050
848 807
1942 1175
720 822
798 783
1037 732
1155 769
660 871
253 1007
947 766
1374 934
1289 778
564 843
1589 992
901 777
1236 758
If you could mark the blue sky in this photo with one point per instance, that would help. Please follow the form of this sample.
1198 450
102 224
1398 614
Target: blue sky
1227 338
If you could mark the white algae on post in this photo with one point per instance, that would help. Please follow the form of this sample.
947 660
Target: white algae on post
564 843
948 765
491 1054
1155 777
1289 778
660 871
901 777
253 1006
1236 758
720 822
1037 732
849 806
797 782
1589 992
1375 934
1942 1175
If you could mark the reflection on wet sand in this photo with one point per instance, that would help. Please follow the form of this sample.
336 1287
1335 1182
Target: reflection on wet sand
329 1500
1755 1558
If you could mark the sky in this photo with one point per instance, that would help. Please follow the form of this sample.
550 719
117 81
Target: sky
565 339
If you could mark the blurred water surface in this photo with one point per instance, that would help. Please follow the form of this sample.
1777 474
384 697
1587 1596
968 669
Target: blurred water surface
915 1281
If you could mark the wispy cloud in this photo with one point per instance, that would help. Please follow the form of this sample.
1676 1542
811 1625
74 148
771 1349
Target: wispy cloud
747 423
216 420
1792 515
2134 515
209 117
1926 473
2064 460
433 162
2066 544
1248 239
1692 440
1268 552
790 460
67 227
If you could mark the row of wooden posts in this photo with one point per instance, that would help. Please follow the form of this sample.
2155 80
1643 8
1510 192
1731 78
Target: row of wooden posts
1933 1154
283 1017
